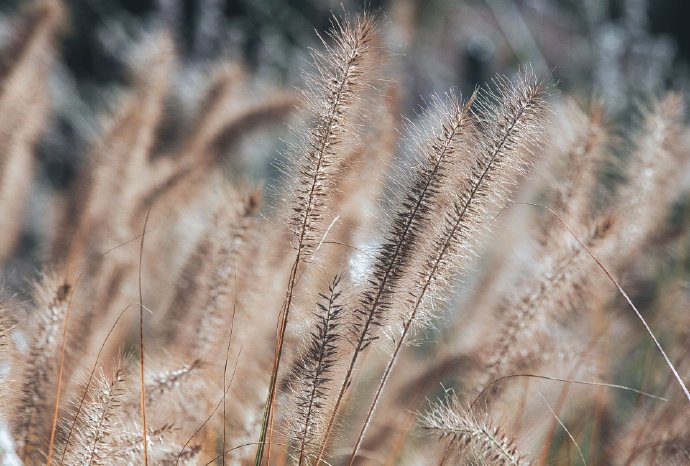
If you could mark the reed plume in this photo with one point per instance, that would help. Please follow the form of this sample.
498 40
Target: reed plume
314 371
36 377
401 242
98 422
502 157
339 80
465 431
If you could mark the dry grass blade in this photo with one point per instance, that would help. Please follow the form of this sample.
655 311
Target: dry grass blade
579 451
142 387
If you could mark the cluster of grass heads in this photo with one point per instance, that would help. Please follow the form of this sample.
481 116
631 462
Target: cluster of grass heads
446 290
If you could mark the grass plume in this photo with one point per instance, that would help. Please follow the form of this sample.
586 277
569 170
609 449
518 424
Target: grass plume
306 308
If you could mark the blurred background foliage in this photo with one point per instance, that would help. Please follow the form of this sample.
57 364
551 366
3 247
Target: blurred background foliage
612 50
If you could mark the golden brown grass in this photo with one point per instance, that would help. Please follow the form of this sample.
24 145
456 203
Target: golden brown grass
185 317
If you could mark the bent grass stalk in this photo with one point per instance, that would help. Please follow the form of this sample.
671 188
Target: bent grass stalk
620 289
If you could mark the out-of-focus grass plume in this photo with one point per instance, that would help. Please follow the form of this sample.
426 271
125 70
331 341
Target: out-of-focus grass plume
425 233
